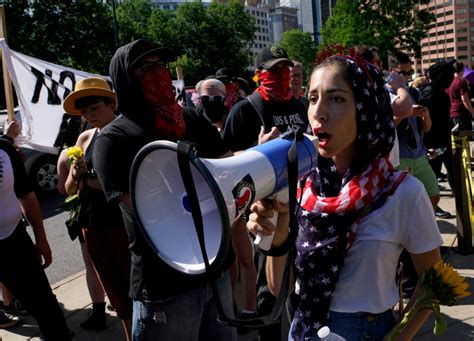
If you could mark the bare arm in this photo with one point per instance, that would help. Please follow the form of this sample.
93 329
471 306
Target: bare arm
424 114
258 222
421 262
78 168
467 103
31 209
402 106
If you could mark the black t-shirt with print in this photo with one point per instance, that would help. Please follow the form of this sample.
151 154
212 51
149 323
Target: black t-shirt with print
114 151
243 123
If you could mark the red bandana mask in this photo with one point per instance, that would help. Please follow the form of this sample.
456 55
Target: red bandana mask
158 90
231 95
275 85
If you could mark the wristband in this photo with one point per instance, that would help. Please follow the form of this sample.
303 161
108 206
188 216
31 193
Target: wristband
279 250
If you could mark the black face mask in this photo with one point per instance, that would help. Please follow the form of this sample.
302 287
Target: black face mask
214 111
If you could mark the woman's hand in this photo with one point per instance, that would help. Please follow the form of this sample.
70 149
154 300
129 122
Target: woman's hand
259 220
78 169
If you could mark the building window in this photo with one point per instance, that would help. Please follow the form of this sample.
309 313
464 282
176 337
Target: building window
462 48
462 57
461 11
461 20
462 39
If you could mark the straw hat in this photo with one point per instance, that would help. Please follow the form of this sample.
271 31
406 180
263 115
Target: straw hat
87 87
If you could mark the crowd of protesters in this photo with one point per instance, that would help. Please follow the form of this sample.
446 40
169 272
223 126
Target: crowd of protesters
374 125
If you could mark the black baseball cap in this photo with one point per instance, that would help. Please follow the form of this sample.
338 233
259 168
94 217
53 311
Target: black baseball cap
225 74
269 56
142 48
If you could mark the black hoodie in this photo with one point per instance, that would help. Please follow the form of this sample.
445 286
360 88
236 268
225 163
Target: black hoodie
114 151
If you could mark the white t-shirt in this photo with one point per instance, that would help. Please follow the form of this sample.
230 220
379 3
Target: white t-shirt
367 279
10 211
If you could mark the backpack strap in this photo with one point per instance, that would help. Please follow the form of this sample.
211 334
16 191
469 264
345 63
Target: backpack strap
256 101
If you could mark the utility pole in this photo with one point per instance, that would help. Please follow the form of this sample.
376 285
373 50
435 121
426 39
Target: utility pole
114 14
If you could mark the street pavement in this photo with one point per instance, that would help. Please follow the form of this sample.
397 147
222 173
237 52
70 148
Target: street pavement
74 298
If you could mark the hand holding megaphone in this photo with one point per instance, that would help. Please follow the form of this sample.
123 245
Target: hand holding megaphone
264 242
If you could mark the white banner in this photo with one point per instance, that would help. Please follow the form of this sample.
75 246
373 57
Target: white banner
41 88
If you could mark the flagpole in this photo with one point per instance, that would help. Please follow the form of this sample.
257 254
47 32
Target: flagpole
6 74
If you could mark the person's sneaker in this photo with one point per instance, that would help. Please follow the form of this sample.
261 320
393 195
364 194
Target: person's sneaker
440 213
94 322
8 321
15 307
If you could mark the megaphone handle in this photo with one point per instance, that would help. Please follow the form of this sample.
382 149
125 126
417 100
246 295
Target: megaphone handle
265 242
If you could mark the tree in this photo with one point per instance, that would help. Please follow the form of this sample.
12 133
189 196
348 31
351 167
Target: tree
133 18
301 47
74 34
387 24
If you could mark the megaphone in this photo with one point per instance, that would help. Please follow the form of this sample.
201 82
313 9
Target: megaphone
225 188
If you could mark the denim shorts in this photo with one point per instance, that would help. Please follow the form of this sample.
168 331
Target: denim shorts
358 326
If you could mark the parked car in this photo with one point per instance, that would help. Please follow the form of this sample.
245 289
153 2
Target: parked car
40 166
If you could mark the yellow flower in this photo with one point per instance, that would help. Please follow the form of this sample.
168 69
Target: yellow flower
442 285
451 277
74 153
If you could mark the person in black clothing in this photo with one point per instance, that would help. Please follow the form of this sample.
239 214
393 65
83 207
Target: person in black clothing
262 116
101 225
22 262
168 305
441 76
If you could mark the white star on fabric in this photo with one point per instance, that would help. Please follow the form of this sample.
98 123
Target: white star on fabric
317 325
359 106
325 280
306 244
366 92
331 230
359 70
334 268
327 293
307 314
324 215
363 117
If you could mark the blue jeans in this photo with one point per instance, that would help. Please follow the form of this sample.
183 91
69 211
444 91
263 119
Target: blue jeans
191 315
358 326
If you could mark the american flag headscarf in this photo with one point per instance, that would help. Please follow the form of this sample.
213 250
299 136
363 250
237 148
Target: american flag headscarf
331 205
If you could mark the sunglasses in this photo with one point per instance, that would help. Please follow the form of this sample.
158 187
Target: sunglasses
147 67
206 98
406 73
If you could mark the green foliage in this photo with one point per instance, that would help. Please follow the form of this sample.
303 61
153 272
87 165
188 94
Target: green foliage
387 24
206 38
300 46
75 34
80 34
133 18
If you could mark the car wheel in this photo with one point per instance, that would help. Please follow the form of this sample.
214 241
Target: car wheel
44 174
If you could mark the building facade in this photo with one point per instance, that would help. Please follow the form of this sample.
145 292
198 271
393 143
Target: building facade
262 36
314 14
282 19
451 35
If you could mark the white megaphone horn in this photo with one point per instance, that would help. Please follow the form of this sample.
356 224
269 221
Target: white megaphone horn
225 189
